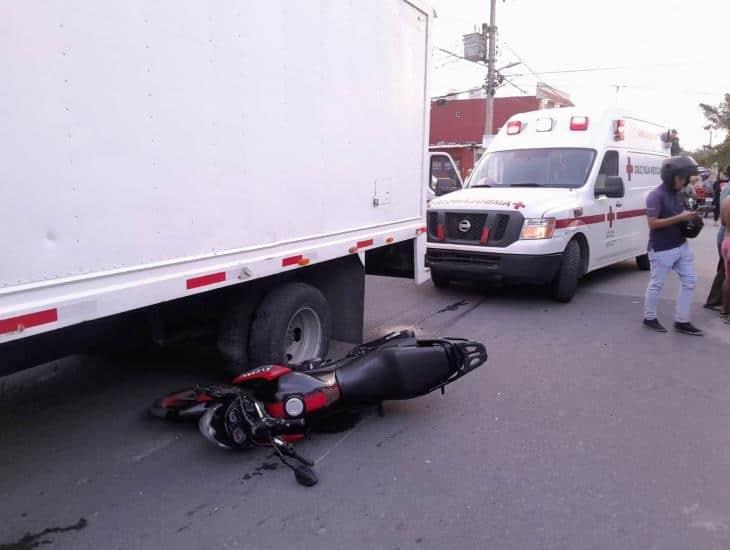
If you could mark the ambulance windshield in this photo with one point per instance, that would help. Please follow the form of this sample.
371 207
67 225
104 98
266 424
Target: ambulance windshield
567 168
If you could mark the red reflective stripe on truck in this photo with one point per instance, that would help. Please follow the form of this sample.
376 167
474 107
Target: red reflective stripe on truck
292 260
621 215
204 280
363 244
17 324
583 220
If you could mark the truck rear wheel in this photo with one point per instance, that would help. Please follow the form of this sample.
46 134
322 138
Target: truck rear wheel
566 281
642 262
291 325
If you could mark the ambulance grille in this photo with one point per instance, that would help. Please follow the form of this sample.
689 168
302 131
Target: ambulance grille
500 227
457 223
504 227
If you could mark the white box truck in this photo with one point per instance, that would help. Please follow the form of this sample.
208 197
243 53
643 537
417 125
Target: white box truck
559 193
226 167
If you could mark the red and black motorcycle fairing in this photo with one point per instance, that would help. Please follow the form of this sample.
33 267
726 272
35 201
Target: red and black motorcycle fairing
275 404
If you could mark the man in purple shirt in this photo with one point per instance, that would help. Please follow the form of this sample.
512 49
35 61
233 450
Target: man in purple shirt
668 248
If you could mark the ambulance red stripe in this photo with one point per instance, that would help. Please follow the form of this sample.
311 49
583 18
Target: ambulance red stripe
21 322
582 220
622 215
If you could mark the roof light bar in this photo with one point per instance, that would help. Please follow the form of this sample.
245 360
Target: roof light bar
579 123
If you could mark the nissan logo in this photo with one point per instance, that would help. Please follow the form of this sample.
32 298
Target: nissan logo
464 226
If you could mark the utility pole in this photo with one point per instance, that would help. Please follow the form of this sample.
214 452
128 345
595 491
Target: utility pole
491 37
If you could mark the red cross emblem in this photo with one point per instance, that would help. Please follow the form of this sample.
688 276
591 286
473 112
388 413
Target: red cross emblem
518 205
629 169
611 216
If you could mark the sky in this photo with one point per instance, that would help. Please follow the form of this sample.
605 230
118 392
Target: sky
672 54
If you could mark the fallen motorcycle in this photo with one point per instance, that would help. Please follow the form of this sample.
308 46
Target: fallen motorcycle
275 405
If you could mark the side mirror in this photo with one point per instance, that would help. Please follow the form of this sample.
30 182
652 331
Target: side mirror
445 186
614 187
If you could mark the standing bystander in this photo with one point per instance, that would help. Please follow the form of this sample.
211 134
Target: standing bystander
715 298
668 248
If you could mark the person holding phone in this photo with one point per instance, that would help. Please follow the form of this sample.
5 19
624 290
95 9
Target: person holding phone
668 249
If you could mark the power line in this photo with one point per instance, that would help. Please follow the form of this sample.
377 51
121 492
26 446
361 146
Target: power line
519 58
456 55
599 69
665 90
567 71
444 96
564 71
508 81
482 65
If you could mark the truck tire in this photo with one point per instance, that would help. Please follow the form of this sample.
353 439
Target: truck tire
566 281
439 280
291 325
642 262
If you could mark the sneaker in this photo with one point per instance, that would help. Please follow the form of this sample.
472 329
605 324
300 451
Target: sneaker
687 328
654 324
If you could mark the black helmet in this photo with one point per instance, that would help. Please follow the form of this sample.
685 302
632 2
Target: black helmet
682 165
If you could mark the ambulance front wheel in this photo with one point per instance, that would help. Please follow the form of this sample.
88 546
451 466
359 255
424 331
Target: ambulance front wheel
566 281
642 262
439 280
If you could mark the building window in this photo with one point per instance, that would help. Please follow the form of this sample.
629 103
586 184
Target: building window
459 114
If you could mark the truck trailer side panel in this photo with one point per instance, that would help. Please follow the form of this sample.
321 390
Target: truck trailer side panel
154 149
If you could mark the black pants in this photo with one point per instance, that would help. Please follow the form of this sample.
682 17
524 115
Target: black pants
715 296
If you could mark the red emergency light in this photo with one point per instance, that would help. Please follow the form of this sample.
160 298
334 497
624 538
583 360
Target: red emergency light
619 127
579 123
514 127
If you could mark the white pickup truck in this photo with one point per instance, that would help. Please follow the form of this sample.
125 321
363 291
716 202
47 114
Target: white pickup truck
207 167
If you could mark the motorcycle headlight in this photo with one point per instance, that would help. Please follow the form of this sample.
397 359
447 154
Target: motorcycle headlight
538 228
294 406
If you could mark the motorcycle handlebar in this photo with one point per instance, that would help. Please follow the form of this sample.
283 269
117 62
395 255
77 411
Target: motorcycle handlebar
287 425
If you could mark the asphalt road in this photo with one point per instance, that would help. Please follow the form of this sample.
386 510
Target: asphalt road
583 431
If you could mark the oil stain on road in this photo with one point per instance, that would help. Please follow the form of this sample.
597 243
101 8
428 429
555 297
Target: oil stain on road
33 540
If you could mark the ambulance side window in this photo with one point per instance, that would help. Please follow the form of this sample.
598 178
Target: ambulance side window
609 167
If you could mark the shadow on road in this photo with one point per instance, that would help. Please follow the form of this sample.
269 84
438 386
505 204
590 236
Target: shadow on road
536 294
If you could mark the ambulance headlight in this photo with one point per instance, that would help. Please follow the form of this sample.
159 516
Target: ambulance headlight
538 228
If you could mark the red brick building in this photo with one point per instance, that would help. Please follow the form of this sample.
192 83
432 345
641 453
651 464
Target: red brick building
457 125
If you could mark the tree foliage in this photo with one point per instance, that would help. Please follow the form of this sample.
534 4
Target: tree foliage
718 116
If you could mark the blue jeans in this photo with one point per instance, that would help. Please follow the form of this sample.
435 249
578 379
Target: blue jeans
662 263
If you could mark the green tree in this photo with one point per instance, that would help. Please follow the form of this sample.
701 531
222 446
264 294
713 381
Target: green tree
719 116
719 119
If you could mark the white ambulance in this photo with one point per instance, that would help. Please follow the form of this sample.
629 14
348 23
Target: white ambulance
559 193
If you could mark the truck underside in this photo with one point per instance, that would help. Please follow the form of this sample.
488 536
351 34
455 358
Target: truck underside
229 317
